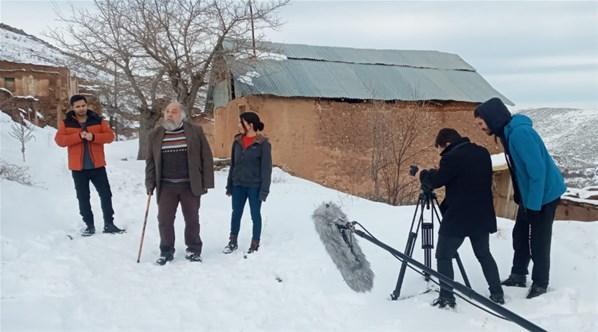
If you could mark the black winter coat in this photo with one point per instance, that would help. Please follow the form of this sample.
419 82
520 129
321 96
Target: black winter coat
466 172
251 167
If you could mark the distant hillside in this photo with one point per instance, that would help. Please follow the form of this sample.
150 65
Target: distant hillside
571 135
21 47
18 46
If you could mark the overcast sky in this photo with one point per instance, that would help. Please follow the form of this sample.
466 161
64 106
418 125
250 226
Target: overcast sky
537 53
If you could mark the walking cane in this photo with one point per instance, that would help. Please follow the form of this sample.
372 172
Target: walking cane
144 223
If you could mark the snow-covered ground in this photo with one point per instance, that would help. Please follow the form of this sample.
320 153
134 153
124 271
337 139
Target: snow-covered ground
52 283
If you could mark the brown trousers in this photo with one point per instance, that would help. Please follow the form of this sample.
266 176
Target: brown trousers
170 196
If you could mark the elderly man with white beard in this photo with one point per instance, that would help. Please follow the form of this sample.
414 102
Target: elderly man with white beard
179 166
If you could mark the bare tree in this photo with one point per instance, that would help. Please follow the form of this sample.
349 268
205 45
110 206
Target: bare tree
163 48
23 133
394 136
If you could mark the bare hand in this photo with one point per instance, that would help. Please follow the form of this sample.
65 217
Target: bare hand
86 135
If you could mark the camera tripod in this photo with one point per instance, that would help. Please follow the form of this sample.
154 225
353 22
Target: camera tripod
427 200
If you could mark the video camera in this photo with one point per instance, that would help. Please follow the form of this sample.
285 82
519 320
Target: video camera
413 169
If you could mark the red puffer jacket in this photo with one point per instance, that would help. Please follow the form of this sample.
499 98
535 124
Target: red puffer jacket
68 135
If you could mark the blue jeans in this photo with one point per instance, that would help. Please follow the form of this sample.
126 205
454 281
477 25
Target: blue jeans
240 195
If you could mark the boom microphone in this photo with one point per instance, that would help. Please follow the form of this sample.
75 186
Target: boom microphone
340 243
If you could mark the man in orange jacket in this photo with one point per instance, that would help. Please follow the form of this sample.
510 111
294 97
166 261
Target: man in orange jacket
84 133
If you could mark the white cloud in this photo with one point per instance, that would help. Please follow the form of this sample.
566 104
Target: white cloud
556 61
557 89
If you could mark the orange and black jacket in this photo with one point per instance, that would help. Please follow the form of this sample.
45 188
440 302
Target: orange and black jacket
69 135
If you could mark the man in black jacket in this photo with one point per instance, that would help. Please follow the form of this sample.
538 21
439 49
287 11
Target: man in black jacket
468 211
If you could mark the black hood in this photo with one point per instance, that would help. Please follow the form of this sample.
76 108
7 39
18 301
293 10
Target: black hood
495 114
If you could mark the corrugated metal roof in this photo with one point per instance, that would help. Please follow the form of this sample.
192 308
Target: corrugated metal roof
408 58
335 72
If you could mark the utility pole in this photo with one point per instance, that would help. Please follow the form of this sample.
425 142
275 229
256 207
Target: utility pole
115 94
252 28
115 106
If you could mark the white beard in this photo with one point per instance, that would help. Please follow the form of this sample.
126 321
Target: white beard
170 125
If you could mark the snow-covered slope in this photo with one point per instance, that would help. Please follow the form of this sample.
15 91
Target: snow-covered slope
571 135
17 46
53 283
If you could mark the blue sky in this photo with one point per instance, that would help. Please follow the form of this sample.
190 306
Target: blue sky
537 53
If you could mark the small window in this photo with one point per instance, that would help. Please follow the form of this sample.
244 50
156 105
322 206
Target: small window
9 84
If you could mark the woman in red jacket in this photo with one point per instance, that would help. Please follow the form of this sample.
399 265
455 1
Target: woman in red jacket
248 177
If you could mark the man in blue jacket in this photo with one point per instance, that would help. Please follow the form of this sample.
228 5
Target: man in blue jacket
538 186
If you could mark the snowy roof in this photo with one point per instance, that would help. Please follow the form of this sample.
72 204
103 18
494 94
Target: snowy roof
6 91
588 195
499 162
340 72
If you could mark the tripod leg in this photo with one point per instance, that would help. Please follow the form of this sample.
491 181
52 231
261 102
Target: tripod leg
427 245
408 249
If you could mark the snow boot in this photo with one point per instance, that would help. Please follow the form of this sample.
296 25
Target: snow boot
442 302
498 298
232 245
515 280
88 231
112 229
254 246
535 290
193 256
164 258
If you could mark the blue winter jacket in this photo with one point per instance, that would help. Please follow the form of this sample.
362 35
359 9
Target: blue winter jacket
539 179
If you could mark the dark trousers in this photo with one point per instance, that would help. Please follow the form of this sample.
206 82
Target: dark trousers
99 178
170 197
240 195
446 251
532 236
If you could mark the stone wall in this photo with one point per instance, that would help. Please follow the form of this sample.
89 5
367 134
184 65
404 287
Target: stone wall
50 85
23 107
332 142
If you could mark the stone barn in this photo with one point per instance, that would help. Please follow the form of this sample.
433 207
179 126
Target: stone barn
351 119
42 90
